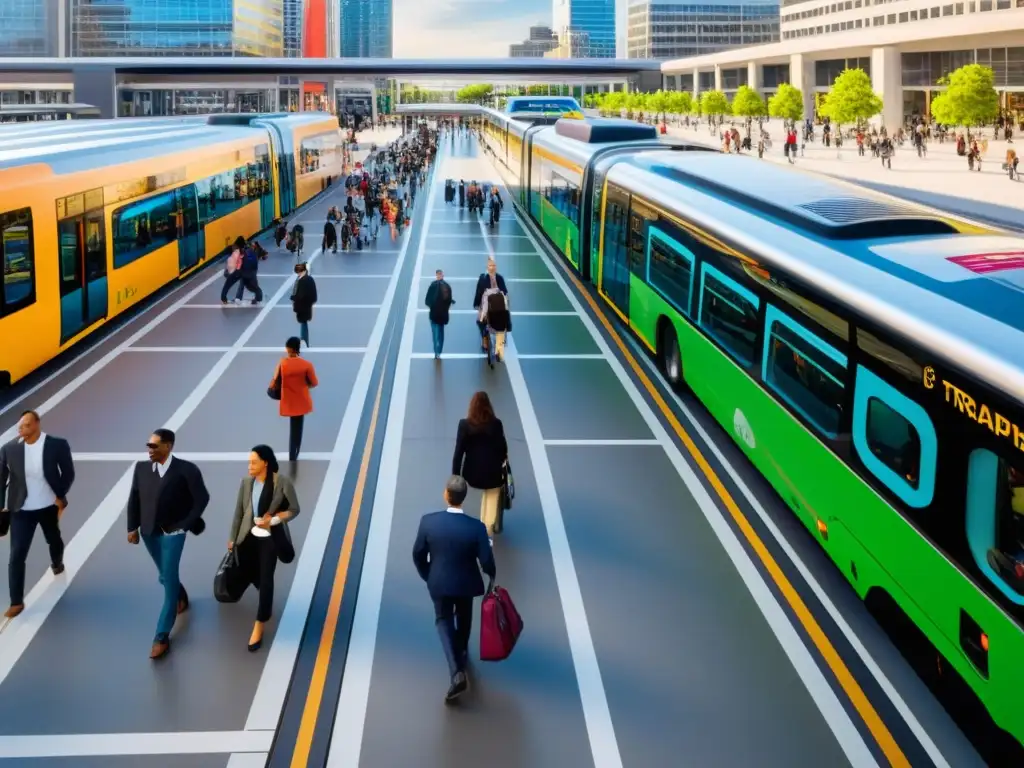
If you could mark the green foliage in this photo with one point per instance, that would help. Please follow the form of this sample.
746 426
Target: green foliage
851 99
714 103
970 97
680 103
787 103
478 93
748 103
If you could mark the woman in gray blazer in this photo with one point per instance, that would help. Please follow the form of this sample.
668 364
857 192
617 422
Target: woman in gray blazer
266 500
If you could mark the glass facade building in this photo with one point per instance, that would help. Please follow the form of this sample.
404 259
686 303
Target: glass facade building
30 27
366 29
659 30
292 18
176 27
589 20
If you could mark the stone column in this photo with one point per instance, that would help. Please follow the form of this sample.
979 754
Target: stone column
801 75
754 76
696 83
887 82
718 77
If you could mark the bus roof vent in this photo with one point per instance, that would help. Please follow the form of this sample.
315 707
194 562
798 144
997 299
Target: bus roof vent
247 118
853 210
604 130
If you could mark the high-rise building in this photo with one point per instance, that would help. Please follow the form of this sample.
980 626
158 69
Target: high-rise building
670 30
292 21
541 40
588 25
366 29
31 27
175 27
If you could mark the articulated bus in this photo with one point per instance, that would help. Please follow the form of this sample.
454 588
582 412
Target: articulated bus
97 216
866 354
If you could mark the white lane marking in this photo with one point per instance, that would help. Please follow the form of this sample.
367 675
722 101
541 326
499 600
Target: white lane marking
446 252
248 760
518 313
599 443
277 672
474 236
604 746
244 350
189 456
828 703
336 277
826 602
350 718
474 278
110 744
47 592
479 356
283 306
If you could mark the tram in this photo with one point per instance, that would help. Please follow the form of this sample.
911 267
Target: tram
866 354
97 216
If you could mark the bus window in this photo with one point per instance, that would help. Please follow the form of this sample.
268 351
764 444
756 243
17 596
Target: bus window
615 260
895 439
19 286
670 269
728 312
806 372
995 521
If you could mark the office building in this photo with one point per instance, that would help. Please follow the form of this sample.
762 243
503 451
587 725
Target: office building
541 40
292 23
366 29
31 27
176 27
672 30
586 27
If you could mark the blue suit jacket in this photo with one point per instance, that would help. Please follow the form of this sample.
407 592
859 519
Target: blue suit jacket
450 551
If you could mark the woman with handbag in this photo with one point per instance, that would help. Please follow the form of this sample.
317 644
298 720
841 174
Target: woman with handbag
292 381
259 531
481 455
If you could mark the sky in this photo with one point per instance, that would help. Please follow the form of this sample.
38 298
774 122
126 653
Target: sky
433 29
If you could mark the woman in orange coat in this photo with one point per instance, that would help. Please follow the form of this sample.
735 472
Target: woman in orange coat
294 378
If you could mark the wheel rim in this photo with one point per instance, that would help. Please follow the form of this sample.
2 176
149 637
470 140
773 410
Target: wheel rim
672 358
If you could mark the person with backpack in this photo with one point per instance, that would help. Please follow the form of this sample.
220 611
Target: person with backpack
439 300
491 303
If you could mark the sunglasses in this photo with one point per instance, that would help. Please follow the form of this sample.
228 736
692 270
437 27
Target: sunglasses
153 446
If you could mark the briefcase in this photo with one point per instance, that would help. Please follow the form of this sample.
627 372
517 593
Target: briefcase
230 583
500 625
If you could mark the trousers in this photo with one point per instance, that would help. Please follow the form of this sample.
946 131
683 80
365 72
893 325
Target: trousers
257 558
23 530
489 508
166 553
453 617
295 437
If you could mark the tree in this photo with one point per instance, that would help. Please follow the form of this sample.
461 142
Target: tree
787 103
749 104
478 93
714 103
659 102
680 102
970 97
851 100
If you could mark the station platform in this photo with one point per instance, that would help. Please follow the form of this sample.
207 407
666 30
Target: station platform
664 627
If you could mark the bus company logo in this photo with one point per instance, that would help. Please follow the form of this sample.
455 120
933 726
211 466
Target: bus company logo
743 430
126 295
983 263
929 378
980 413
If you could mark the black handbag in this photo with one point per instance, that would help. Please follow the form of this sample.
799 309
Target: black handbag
508 486
274 390
230 583
283 545
5 522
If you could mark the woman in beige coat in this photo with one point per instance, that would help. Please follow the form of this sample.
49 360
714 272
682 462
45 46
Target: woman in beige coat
266 500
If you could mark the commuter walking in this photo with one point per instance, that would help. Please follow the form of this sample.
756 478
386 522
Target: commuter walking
266 501
232 269
166 502
489 284
439 300
248 272
481 453
330 235
292 381
450 551
36 473
303 299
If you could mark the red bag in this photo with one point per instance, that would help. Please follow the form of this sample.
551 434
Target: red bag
500 626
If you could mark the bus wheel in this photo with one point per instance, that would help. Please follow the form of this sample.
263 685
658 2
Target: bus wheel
669 356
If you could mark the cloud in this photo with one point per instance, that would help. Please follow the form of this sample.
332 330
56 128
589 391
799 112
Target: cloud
441 29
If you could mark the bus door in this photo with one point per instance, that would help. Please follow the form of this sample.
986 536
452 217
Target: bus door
283 180
190 236
613 281
82 252
264 188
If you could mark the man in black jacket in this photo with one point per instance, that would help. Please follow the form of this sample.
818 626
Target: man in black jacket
36 473
439 300
450 551
167 500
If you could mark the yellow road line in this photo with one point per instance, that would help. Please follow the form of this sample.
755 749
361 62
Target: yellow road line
846 680
315 693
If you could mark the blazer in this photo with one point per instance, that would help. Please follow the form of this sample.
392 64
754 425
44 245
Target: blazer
297 376
180 503
438 309
480 454
483 283
450 551
303 298
58 469
278 496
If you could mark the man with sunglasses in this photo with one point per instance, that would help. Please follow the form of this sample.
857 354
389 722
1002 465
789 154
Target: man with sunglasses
166 502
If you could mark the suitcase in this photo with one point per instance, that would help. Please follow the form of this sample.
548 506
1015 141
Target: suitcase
500 626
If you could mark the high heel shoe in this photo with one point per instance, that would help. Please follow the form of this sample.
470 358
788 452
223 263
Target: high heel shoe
253 647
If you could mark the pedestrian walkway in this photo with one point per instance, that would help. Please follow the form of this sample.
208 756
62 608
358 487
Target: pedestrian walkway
940 179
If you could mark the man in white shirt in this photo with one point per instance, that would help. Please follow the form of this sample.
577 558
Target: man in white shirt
36 473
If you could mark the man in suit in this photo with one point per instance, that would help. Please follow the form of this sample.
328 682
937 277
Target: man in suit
36 473
450 551
439 301
166 502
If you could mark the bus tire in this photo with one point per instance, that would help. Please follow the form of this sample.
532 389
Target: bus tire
670 359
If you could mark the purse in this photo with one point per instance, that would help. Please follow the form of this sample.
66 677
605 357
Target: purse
508 486
274 390
283 545
230 583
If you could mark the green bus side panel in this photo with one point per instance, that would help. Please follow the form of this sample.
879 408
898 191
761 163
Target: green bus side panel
563 231
862 528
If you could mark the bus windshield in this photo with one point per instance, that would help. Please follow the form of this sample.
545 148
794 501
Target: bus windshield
557 106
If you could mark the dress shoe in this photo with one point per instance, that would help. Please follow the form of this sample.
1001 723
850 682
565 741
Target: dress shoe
253 647
57 569
182 604
14 610
159 649
458 686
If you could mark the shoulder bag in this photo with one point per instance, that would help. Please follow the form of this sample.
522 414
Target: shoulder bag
274 390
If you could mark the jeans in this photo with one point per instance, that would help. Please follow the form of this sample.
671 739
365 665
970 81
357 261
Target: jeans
23 530
437 333
304 332
453 617
166 553
295 437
